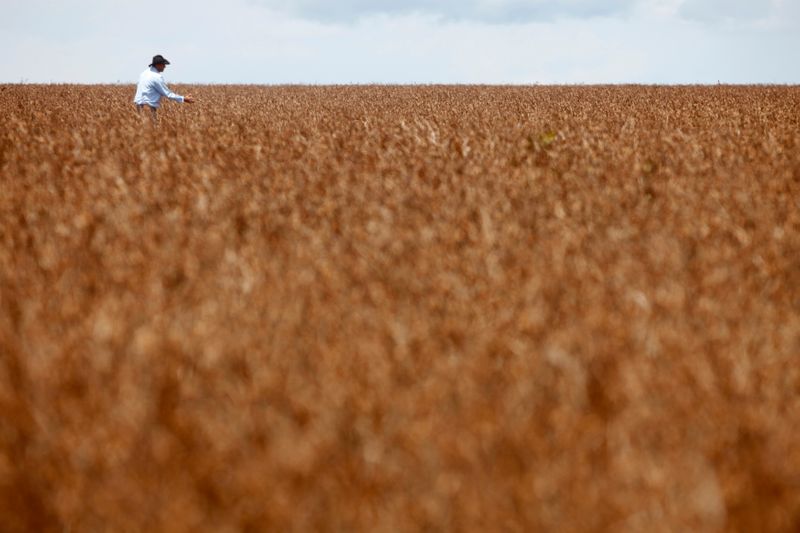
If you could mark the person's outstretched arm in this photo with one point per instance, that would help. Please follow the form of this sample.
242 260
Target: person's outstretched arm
162 88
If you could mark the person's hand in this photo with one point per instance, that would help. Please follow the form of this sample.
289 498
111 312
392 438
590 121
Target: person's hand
189 99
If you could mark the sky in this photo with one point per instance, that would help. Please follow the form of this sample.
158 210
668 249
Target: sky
411 41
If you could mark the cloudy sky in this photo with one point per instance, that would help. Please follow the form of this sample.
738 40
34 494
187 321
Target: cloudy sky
410 41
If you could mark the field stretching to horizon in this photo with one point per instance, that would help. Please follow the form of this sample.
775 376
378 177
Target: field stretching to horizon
400 308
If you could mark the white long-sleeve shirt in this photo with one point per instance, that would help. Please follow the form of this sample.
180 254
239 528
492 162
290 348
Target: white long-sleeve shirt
152 87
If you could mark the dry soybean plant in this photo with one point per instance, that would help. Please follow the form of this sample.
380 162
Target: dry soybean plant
378 308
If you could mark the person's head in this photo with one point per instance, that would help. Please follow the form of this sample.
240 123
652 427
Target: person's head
159 63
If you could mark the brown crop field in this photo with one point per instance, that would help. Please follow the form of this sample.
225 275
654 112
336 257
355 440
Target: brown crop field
391 308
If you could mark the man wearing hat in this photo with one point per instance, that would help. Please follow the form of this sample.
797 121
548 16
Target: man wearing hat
152 87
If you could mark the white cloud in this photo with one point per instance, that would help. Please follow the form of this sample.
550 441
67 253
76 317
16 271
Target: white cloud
749 12
490 11
708 10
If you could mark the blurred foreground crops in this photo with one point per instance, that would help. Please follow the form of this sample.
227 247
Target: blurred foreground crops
374 308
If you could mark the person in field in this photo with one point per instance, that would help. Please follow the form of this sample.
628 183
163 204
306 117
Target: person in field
152 88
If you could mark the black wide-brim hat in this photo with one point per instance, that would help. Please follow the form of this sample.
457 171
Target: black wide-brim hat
158 60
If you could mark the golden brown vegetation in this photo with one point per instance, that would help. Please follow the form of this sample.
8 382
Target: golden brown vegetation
400 308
